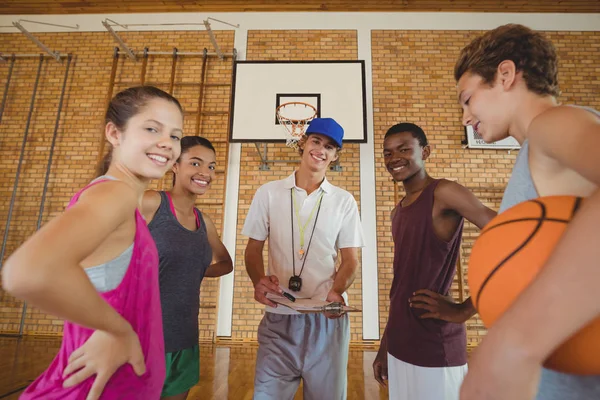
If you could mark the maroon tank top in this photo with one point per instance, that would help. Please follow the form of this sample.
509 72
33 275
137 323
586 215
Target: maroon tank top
423 261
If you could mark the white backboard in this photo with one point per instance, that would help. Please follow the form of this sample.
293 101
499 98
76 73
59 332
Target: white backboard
335 88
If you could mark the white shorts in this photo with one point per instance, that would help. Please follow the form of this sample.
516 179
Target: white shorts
410 382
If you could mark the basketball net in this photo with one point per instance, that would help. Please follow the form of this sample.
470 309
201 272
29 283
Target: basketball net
295 117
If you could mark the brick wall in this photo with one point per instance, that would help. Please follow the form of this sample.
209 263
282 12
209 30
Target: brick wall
413 81
81 131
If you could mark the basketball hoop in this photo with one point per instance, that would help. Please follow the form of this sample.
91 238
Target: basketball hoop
295 117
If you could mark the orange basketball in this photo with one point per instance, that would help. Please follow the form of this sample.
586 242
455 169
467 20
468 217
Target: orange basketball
507 256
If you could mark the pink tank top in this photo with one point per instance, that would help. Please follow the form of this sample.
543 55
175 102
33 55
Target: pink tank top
137 299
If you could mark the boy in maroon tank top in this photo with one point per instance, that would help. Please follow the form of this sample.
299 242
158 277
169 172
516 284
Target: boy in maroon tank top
423 350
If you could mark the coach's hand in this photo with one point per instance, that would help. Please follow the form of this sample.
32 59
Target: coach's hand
267 284
333 297
441 307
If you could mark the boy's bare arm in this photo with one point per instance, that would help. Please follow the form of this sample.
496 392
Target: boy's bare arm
557 304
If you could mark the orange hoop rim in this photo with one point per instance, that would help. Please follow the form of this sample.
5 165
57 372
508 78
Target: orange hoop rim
296 121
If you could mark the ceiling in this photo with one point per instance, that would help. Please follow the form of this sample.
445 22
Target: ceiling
146 6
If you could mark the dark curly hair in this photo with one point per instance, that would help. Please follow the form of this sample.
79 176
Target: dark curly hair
416 131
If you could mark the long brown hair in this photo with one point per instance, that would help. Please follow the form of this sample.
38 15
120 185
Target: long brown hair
125 105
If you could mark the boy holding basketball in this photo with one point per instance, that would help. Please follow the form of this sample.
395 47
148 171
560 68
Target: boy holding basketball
424 347
507 85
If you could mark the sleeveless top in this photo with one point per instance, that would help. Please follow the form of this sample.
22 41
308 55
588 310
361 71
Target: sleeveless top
137 300
109 275
553 385
184 257
520 185
423 261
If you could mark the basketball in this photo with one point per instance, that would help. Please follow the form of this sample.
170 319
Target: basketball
509 253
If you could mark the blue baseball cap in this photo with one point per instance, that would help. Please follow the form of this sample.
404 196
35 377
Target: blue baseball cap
327 127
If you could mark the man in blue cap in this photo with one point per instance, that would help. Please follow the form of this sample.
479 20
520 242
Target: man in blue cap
307 221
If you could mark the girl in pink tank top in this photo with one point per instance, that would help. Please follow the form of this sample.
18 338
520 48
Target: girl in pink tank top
113 346
136 299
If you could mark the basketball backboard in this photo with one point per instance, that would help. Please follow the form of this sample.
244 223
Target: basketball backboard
335 88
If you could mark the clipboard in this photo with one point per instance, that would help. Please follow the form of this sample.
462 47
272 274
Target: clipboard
306 306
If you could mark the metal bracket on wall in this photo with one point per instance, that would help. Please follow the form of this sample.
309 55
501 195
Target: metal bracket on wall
336 166
76 27
264 158
183 53
118 39
54 54
212 37
213 40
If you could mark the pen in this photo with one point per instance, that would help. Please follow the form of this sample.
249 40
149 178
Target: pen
289 297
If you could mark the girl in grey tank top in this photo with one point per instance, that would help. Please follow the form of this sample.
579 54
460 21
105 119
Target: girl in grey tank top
187 243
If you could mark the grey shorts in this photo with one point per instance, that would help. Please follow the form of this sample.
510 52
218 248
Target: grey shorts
310 347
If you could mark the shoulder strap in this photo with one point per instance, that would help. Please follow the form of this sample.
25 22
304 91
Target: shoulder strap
198 218
171 206
86 187
175 214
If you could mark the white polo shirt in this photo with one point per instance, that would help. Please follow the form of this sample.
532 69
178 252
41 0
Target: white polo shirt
338 226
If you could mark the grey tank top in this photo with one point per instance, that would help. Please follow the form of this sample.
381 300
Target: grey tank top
109 275
553 385
184 256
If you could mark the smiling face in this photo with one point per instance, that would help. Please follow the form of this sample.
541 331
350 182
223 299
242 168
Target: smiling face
148 145
195 170
403 156
318 151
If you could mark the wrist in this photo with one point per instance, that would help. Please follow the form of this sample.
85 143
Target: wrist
467 310
382 346
519 345
256 279
338 289
334 293
382 353
120 328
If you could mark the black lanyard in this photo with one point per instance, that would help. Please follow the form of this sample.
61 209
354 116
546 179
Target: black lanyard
309 241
